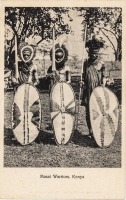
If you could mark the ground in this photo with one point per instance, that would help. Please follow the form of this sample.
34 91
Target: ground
81 151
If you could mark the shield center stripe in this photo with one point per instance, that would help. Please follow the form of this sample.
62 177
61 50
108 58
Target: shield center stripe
26 106
62 114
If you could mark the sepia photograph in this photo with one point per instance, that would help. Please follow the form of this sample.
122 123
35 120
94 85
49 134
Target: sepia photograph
63 87
62 97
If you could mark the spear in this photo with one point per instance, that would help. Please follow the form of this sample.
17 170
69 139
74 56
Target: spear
83 55
53 51
83 59
16 61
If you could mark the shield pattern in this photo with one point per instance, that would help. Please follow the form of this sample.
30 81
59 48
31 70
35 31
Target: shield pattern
104 115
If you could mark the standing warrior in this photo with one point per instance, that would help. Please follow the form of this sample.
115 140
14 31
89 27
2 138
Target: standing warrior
26 69
93 75
62 72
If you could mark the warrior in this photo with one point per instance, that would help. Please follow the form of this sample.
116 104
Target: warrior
94 75
26 69
62 72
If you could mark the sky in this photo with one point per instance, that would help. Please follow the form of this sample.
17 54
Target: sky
75 42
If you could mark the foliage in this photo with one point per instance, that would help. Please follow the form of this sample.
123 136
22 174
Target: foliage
107 20
26 20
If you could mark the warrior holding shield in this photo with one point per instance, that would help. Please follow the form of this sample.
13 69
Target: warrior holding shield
94 75
26 107
62 98
27 71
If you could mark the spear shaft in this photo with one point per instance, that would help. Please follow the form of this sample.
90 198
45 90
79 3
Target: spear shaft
16 60
83 58
82 68
53 51
83 55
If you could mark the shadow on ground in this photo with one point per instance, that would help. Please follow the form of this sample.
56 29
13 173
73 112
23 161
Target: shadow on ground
46 137
83 140
43 137
9 139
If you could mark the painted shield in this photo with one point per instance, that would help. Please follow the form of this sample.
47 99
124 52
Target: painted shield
26 114
104 115
62 111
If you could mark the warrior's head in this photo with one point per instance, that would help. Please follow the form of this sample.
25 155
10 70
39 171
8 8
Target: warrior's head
61 55
26 53
94 45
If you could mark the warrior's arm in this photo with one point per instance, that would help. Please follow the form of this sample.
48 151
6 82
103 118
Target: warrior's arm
36 78
84 70
68 75
68 79
106 80
84 74
14 79
35 75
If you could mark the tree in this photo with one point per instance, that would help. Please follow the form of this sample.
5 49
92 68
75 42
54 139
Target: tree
26 20
109 21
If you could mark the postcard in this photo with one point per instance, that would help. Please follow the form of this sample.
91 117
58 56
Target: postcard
62 99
